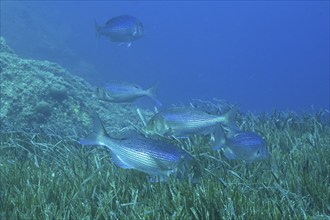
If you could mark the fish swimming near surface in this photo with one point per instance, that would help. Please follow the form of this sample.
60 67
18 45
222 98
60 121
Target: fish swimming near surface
185 121
121 92
124 29
156 158
242 145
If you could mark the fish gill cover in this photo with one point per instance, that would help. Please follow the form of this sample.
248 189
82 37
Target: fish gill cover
45 173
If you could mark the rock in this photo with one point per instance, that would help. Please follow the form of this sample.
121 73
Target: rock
58 93
41 93
43 108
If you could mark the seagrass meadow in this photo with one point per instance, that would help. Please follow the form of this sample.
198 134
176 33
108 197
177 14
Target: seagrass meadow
46 174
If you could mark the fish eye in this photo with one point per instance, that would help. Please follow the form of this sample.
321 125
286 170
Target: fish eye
258 152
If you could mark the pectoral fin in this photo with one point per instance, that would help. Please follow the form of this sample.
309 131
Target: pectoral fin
119 163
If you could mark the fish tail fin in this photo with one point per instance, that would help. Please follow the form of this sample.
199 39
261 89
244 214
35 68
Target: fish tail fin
229 125
101 94
151 92
98 136
219 138
229 118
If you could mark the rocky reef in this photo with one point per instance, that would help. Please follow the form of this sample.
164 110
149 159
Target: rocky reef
42 94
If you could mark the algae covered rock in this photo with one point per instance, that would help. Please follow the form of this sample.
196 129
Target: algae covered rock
58 92
40 93
43 110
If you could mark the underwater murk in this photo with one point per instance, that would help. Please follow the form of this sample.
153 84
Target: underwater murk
73 150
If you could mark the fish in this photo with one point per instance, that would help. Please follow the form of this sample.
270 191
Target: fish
185 121
123 29
242 145
154 157
121 92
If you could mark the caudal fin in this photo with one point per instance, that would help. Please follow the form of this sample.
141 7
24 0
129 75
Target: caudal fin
98 136
219 138
229 119
101 94
151 92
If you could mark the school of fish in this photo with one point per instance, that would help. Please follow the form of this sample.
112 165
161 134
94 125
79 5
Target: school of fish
158 157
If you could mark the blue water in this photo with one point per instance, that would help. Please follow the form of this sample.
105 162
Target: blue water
259 55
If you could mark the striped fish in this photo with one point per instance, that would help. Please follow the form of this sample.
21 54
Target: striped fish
154 157
184 121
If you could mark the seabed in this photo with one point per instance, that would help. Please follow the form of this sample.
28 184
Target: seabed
46 174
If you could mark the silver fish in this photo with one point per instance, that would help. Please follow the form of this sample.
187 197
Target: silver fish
121 92
247 146
124 28
153 157
183 121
